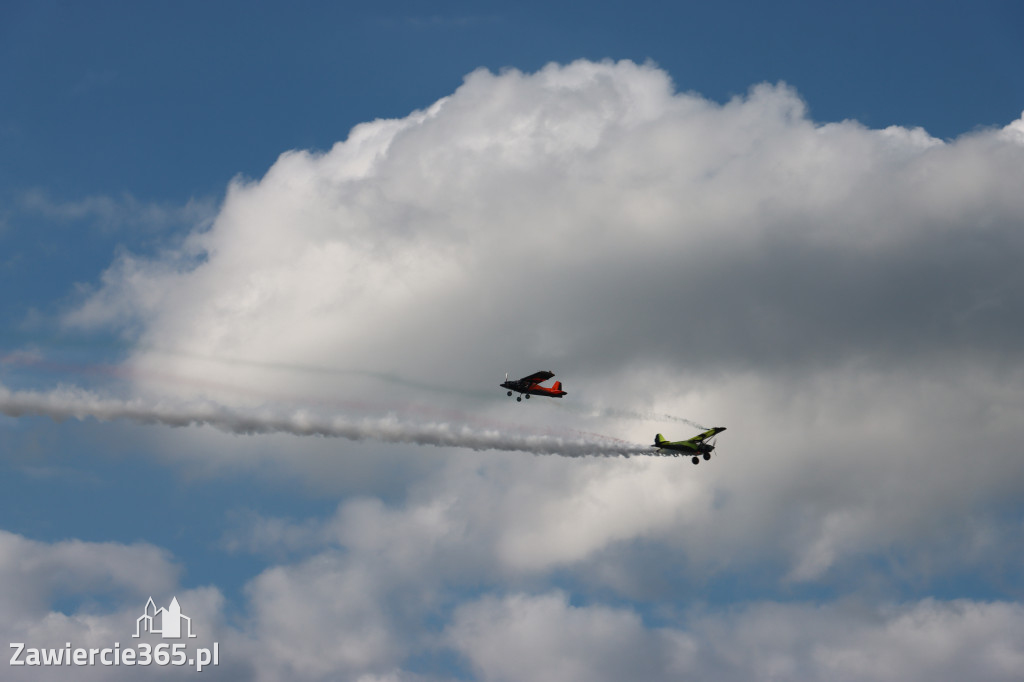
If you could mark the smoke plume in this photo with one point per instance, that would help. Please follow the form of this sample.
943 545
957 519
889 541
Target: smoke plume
65 403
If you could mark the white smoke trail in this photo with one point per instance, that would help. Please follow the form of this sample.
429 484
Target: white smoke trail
594 412
64 403
617 413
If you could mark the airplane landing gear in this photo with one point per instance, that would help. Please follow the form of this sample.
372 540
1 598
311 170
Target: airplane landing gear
519 399
707 456
527 396
696 460
509 394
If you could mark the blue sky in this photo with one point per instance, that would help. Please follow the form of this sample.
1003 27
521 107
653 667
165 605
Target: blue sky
797 222
167 101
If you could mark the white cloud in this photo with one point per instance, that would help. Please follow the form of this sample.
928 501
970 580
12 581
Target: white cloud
89 594
41 570
321 618
543 637
588 214
345 614
470 519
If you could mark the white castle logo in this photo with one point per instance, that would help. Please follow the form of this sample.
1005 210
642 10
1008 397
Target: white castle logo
163 622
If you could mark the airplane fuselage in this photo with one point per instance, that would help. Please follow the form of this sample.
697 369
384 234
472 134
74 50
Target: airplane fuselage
687 447
697 446
525 388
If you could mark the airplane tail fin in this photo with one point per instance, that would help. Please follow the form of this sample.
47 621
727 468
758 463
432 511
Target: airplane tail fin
659 439
558 386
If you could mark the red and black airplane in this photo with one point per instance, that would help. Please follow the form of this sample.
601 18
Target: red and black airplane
531 385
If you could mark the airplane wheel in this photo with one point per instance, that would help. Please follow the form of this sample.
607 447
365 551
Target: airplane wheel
527 396
696 460
509 394
519 399
707 456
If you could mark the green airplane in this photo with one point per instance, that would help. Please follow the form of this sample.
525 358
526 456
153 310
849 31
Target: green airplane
695 446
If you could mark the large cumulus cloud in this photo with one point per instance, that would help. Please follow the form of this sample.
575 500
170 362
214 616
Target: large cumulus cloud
591 215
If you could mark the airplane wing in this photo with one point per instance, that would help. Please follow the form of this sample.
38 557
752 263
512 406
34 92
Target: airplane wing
538 377
707 434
